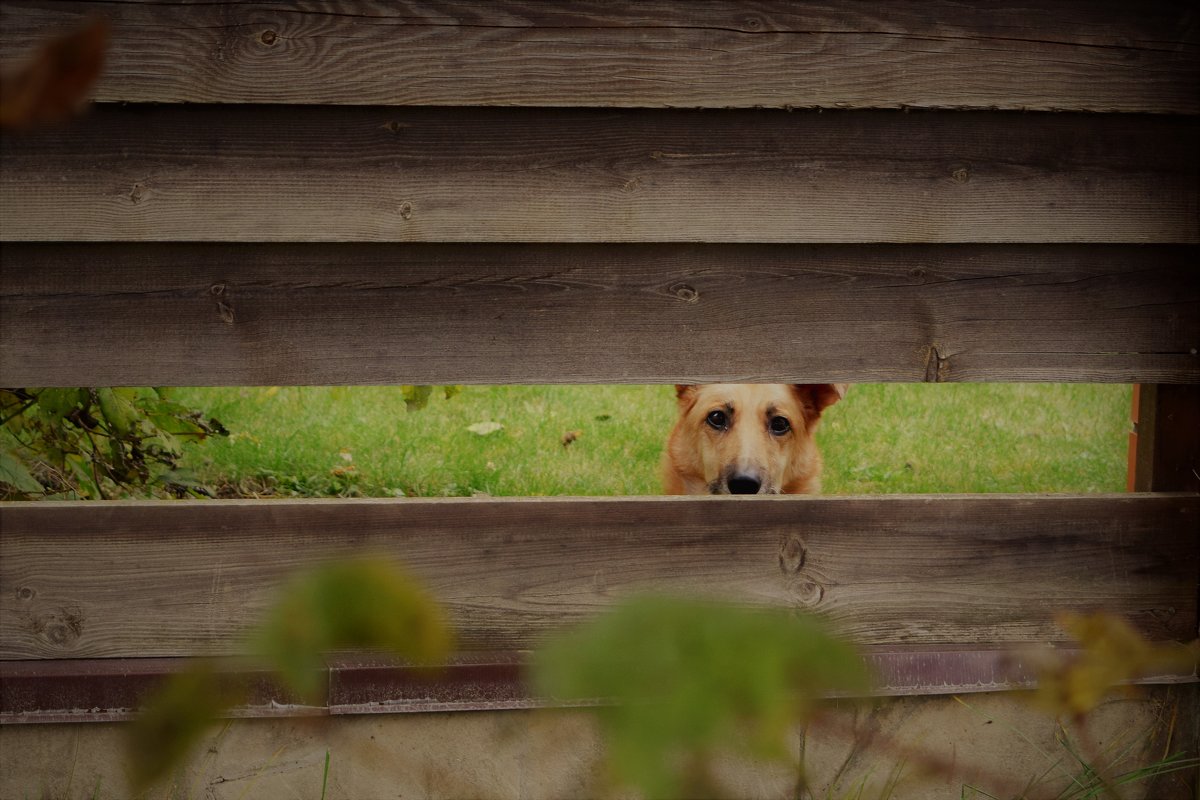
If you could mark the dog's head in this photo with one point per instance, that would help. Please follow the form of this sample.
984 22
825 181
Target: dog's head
742 438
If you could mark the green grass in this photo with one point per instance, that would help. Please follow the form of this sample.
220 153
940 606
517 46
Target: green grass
882 438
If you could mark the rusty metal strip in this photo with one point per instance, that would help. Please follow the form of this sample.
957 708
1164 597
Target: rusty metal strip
111 690
491 682
953 670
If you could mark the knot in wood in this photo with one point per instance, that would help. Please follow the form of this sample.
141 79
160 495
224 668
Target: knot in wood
60 634
808 593
791 555
224 309
686 293
406 210
61 627
961 175
26 593
269 37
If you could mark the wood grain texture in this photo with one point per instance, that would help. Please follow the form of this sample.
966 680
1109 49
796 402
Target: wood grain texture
187 314
260 173
166 579
1048 54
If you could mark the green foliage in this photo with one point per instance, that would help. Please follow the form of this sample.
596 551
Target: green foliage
682 679
96 443
1091 781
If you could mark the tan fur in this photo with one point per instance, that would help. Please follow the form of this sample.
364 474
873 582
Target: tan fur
702 459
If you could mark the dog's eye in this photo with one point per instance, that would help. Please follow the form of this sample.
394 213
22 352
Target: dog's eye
779 425
717 419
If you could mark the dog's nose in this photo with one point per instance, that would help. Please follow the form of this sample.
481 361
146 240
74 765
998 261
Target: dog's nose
744 484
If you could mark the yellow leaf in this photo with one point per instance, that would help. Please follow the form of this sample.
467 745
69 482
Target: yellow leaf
1111 653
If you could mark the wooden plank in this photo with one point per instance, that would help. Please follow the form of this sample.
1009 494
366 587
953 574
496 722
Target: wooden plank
255 173
1049 54
1167 454
183 314
168 579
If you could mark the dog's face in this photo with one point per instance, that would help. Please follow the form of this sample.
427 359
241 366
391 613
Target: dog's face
741 438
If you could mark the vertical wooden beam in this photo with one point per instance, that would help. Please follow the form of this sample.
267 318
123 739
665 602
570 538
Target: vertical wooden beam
1167 437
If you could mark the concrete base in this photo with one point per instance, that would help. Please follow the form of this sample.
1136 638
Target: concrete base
938 747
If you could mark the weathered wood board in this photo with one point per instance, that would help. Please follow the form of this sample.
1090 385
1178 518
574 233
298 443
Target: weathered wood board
304 174
1049 54
165 579
184 314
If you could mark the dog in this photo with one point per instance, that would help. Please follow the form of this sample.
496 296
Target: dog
747 438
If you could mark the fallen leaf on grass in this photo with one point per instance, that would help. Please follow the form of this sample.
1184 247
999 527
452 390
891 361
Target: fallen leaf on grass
485 428
570 436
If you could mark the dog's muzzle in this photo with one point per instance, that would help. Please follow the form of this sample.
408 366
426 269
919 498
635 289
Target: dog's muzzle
740 482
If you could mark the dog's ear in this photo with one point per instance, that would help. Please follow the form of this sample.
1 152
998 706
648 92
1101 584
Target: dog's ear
685 393
816 397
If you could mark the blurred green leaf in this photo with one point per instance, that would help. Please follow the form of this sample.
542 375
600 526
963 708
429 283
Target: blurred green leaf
1111 653
680 679
359 604
174 719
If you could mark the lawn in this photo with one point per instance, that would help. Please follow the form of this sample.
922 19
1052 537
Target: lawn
607 440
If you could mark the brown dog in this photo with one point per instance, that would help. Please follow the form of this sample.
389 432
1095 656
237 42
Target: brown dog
747 438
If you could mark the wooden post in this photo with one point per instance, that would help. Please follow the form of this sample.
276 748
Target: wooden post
1166 438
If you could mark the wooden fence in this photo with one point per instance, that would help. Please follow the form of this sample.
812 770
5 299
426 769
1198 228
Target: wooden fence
664 192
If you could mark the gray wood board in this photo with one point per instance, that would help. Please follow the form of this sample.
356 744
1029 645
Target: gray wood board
215 314
184 578
1050 54
284 173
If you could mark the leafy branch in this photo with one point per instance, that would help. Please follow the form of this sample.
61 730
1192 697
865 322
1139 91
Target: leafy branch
96 443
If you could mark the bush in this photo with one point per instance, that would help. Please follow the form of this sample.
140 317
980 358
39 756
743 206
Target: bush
96 443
